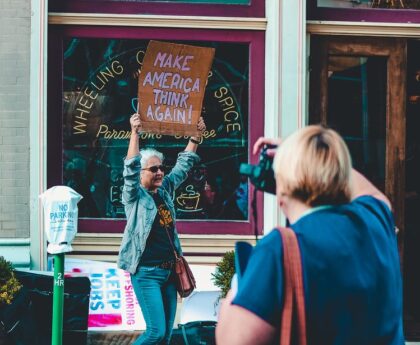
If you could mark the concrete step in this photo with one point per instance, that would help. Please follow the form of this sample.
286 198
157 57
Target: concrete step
112 337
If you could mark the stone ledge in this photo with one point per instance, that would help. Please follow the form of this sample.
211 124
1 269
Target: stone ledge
111 337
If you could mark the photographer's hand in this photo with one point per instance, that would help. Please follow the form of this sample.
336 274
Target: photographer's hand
266 141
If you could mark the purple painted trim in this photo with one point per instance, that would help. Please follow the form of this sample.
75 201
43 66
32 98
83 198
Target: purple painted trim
376 15
54 109
256 8
256 108
190 227
111 252
165 34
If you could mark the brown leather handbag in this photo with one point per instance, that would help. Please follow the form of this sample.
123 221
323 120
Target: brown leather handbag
294 295
184 279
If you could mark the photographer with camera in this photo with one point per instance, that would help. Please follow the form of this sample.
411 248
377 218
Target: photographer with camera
350 263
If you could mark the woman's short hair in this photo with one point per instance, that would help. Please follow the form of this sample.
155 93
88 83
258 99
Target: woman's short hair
148 153
313 165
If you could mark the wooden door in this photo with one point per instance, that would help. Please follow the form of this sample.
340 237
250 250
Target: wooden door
358 87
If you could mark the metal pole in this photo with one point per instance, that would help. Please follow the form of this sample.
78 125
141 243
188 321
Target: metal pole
58 300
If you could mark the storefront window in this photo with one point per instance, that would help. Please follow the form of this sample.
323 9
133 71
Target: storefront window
396 4
219 8
344 4
99 96
226 2
357 110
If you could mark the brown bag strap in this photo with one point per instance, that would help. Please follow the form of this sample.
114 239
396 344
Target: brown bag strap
167 232
294 294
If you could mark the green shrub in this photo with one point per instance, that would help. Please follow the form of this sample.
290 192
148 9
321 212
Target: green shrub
224 272
9 285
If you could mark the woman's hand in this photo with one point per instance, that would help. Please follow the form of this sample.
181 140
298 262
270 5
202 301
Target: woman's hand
135 123
201 126
133 145
195 140
266 141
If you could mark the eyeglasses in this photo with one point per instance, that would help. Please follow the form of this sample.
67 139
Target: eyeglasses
154 169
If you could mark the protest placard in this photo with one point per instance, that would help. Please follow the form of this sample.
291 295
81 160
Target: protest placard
113 304
171 87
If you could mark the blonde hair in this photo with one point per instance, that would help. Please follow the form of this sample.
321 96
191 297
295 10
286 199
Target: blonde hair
313 165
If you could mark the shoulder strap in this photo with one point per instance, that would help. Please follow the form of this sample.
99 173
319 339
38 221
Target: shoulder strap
169 237
294 296
184 335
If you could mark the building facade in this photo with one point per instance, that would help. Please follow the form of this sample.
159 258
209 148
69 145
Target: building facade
87 90
69 87
15 27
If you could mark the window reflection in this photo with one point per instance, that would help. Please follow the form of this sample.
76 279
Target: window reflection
357 109
99 96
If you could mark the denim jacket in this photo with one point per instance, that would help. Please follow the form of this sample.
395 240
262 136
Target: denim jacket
140 208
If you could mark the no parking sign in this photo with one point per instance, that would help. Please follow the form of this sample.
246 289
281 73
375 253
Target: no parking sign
60 217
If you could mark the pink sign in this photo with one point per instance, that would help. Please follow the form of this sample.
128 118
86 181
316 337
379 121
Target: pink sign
113 304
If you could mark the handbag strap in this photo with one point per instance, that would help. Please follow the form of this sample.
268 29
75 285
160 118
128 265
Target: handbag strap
170 239
294 295
184 335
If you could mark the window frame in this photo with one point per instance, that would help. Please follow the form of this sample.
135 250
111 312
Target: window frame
255 39
255 8
374 15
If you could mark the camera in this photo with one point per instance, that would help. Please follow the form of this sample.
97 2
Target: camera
262 174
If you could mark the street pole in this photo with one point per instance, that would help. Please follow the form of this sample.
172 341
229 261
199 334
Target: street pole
58 300
60 216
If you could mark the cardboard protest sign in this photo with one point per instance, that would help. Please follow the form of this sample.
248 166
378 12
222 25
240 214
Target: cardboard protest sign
171 87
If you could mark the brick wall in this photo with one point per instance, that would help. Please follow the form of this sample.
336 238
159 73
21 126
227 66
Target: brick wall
15 16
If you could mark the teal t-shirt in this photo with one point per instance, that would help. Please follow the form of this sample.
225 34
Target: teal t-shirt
351 269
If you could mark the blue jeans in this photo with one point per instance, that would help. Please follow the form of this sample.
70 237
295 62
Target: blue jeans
156 294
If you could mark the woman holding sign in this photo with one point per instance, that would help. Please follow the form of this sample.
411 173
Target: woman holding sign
146 251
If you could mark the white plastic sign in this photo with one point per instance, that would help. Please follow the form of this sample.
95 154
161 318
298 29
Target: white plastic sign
60 217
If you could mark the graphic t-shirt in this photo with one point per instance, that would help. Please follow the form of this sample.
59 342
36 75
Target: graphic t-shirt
158 247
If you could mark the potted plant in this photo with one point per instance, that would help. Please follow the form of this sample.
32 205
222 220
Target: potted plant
9 291
225 269
9 285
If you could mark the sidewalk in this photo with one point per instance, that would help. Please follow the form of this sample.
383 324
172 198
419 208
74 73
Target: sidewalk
111 337
198 306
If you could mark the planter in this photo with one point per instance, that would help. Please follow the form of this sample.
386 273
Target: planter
15 320
3 337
